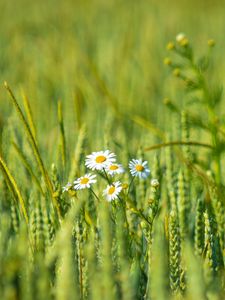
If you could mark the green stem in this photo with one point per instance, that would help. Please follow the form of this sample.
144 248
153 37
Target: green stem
94 194
132 180
106 176
35 149
125 212
178 143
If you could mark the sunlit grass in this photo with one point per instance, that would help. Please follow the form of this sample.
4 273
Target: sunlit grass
86 76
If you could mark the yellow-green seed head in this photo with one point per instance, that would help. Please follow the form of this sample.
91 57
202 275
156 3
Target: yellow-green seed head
170 46
125 186
166 101
211 43
167 61
56 194
184 42
176 72
72 193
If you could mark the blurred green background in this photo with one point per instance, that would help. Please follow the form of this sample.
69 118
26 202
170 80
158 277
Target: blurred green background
103 59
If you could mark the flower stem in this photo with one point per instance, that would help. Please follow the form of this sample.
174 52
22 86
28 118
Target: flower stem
130 185
106 176
95 195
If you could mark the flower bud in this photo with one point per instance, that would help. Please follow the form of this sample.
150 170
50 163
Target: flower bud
124 186
176 72
211 43
170 46
180 37
167 61
154 183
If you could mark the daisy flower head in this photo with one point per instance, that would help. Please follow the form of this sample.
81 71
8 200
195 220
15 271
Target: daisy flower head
100 160
67 187
139 168
84 182
114 169
112 191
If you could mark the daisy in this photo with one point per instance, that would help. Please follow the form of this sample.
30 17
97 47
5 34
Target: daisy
100 160
67 187
139 168
114 169
84 182
112 191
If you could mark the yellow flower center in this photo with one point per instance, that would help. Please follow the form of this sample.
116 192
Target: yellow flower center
100 159
113 167
111 190
84 180
139 168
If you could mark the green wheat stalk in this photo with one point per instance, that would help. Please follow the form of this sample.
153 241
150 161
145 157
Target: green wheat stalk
34 147
62 133
15 188
28 167
27 107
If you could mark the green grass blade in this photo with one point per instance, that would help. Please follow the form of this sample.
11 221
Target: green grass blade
29 114
15 187
34 147
62 134
28 167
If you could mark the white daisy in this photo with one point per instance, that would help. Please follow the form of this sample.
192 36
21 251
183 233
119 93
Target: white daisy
100 160
139 168
67 187
84 182
114 169
112 191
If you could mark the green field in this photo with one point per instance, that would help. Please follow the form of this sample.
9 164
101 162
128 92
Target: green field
144 80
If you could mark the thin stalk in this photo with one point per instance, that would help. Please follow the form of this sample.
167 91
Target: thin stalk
125 211
28 167
29 114
34 148
178 143
62 133
94 194
14 185
130 184
106 176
